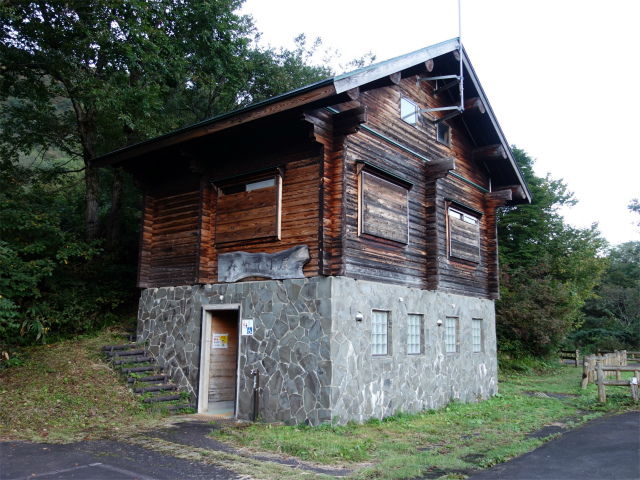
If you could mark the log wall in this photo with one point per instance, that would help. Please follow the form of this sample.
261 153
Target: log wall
425 262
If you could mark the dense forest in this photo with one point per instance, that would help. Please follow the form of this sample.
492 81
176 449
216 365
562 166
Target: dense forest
80 79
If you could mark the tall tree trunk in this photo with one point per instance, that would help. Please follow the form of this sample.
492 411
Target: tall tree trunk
91 219
113 229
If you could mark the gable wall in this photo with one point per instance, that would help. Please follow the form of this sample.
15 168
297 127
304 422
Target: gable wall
424 262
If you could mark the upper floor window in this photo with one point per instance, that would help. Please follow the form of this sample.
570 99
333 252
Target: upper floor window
383 205
464 235
408 111
443 133
249 210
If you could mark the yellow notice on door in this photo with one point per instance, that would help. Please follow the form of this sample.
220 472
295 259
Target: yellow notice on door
219 340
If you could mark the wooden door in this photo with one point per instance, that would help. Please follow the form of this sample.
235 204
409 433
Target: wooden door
223 357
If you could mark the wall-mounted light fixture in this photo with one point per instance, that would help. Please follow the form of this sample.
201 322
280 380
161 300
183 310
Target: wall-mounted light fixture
359 317
439 322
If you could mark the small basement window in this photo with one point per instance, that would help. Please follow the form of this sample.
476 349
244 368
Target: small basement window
383 204
476 334
249 210
464 235
451 335
379 333
408 111
414 334
444 133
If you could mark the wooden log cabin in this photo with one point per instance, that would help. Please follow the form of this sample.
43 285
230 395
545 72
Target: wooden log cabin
340 239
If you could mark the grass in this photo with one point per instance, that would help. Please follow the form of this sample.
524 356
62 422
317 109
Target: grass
450 443
65 392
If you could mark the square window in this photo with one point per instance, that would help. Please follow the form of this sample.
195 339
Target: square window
379 330
414 334
443 133
464 236
249 210
408 111
383 208
451 335
476 334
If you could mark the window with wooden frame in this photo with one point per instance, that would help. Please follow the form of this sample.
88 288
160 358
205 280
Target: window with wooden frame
408 111
464 235
249 208
383 204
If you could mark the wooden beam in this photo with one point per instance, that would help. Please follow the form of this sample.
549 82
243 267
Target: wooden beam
438 168
489 152
395 78
499 198
354 93
429 65
361 77
474 105
349 121
517 191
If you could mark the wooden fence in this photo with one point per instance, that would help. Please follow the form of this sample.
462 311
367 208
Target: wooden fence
615 359
633 356
570 355
601 372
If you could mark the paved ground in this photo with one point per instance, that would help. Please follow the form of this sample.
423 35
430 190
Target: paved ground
605 448
100 460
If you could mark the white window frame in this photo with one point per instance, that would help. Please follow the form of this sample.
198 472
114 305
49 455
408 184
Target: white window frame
476 335
467 218
380 333
451 336
405 109
414 332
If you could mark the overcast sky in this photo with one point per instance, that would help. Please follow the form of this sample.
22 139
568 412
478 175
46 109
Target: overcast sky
560 76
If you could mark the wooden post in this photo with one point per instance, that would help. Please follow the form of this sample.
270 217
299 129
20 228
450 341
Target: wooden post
577 357
602 395
585 372
634 387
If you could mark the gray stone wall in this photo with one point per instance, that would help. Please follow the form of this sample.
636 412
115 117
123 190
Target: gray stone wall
290 346
315 359
366 385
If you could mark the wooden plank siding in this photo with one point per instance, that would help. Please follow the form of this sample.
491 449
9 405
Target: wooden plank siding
425 262
174 240
404 237
299 224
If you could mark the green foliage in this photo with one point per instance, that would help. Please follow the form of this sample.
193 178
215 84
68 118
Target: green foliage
52 283
548 268
612 317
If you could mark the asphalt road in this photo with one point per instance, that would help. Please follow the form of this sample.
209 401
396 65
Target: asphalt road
99 460
605 448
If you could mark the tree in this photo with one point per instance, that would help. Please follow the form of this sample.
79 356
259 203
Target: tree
634 206
90 77
549 269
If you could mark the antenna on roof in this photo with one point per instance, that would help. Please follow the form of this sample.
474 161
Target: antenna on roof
460 53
